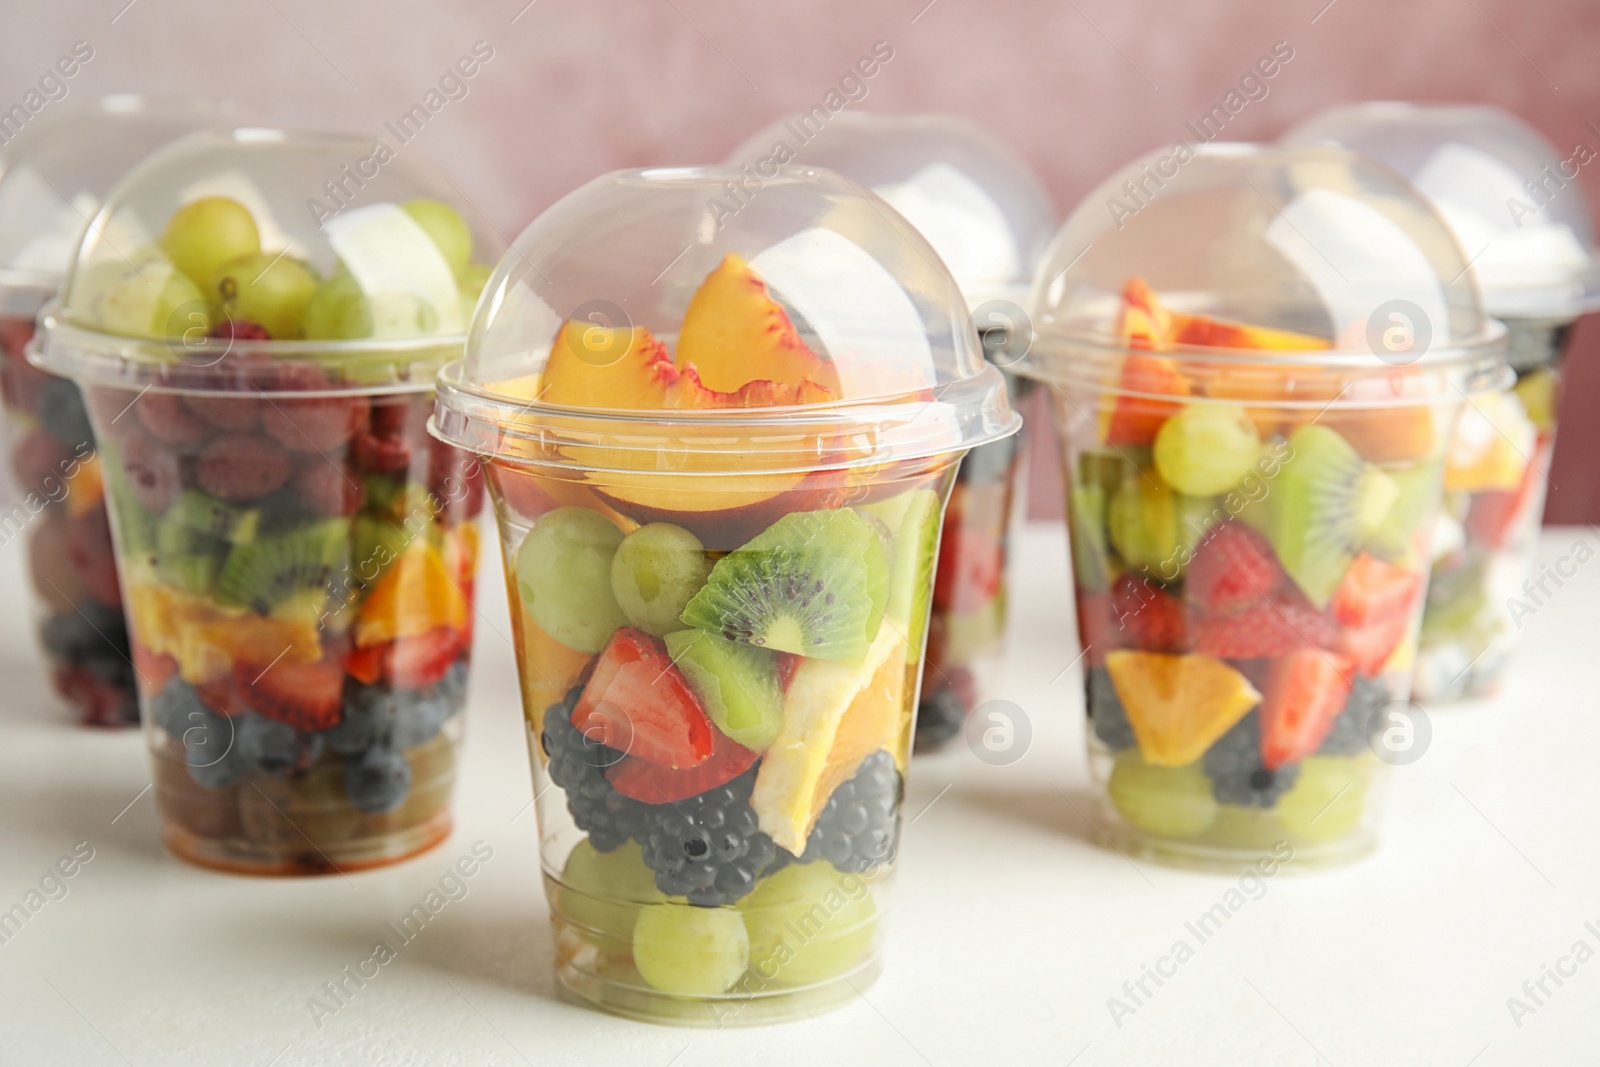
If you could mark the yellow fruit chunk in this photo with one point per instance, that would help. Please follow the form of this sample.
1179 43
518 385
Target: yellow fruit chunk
1178 705
734 332
417 594
547 669
590 366
1493 444
84 488
827 731
206 640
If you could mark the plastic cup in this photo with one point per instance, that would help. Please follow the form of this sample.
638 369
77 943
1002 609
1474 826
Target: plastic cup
1251 487
296 552
1507 194
987 216
719 444
53 177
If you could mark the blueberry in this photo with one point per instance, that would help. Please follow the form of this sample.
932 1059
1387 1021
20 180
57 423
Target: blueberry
81 636
1106 713
275 747
368 720
860 825
61 411
1234 766
420 713
378 780
211 749
177 707
939 718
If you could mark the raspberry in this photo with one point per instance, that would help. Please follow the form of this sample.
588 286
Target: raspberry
380 455
313 424
153 471
168 420
1233 568
241 413
242 467
326 489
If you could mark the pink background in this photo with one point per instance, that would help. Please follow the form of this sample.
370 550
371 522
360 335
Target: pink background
1077 86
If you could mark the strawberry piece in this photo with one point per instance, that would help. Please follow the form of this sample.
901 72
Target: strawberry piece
455 478
419 661
1233 568
1270 628
153 669
1369 647
240 330
1151 619
100 701
637 702
1495 514
649 783
365 665
307 696
1098 630
970 566
1305 692
1373 591
222 696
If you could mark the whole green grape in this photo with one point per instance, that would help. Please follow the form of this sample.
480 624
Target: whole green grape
151 300
1206 448
564 577
808 923
658 568
1163 801
445 228
602 892
337 310
204 234
270 291
1327 800
690 951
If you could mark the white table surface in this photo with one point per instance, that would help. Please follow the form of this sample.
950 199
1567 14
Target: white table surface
1012 926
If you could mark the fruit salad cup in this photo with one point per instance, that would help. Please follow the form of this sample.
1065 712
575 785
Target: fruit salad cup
53 177
297 553
720 570
989 219
1251 489
1536 264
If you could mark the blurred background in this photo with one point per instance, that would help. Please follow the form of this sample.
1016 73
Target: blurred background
564 90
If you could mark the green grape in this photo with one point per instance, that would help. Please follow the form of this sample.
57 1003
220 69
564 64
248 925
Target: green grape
564 577
808 923
337 310
396 316
445 228
602 892
690 951
153 300
657 570
1164 801
1206 449
472 279
270 291
1156 529
1327 800
204 234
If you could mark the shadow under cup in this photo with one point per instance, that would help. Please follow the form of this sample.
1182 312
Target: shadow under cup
1248 643
297 570
751 887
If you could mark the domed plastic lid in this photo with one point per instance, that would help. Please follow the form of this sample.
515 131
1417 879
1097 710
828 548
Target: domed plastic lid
1511 197
55 173
1301 256
975 201
649 322
226 255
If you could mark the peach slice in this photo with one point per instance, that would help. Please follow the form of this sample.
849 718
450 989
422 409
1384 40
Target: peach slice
547 669
734 333
598 367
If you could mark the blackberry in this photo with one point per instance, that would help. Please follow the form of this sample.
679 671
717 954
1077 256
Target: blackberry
61 411
577 765
1233 764
1106 715
939 718
710 848
1356 724
859 827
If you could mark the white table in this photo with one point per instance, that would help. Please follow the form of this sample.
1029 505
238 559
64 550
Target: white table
1012 925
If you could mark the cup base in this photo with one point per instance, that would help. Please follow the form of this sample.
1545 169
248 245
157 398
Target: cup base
230 857
1256 839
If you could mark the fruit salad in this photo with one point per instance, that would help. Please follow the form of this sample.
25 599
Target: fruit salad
719 681
297 553
1249 583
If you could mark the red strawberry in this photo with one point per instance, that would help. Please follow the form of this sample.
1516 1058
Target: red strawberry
365 665
389 418
1151 619
455 478
1369 647
420 661
307 696
1234 567
153 669
242 467
1098 631
637 702
1494 514
240 330
36 459
650 783
168 420
1305 692
222 696
1372 591
1270 628
970 566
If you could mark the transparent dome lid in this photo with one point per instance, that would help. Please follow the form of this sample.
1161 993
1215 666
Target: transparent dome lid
265 246
1511 197
974 200
1313 256
55 173
646 316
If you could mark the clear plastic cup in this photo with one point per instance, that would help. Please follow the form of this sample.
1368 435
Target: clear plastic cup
989 219
719 443
1513 201
53 177
296 552
1253 462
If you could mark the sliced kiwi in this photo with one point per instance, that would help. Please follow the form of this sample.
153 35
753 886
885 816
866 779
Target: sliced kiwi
1416 495
374 544
209 517
1091 553
274 567
814 583
736 683
912 519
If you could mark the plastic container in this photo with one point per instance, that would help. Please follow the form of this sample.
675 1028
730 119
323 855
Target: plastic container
719 450
990 220
296 552
1253 463
1513 200
53 176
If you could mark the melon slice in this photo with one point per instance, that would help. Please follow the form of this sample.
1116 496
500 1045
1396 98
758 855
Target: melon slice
1178 705
734 333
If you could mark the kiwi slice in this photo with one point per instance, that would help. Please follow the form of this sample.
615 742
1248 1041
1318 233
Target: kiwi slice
209 517
814 583
1416 496
274 567
374 544
1091 553
913 521
737 685
1321 509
